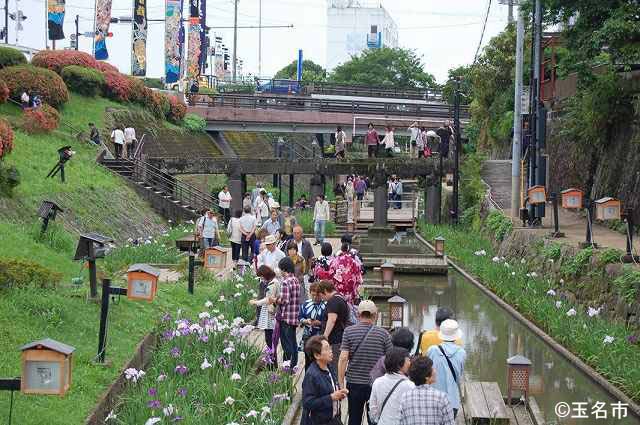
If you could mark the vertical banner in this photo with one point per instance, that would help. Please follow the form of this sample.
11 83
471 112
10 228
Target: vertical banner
204 41
103 19
195 42
55 19
139 39
173 39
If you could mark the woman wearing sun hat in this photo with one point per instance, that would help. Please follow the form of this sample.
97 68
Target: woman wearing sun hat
448 362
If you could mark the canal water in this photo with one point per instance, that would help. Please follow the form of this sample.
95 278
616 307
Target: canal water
491 335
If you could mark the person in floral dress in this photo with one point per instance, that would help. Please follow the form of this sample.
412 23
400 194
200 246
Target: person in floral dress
347 274
322 267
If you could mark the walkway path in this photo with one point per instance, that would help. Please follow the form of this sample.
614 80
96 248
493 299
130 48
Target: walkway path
497 174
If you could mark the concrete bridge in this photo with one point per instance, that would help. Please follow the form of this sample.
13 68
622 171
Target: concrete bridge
301 114
431 169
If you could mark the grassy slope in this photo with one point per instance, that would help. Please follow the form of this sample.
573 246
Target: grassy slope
93 199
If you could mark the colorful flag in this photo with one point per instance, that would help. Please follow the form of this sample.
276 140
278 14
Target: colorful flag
103 18
139 39
173 39
204 45
55 19
195 41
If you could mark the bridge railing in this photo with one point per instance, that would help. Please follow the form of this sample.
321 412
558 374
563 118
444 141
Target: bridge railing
310 88
300 103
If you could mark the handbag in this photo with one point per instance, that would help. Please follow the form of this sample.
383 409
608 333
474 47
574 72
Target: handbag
384 403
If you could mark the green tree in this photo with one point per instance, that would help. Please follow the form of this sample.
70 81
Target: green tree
384 67
597 31
448 89
311 71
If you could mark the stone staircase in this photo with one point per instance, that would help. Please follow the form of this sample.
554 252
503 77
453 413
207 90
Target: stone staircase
171 198
497 174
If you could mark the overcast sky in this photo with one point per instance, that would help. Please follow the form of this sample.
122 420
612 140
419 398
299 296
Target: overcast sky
444 32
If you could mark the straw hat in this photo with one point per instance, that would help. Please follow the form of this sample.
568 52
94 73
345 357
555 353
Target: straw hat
270 240
450 331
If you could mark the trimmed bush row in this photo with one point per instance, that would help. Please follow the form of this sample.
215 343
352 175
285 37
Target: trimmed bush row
40 120
86 81
11 57
46 83
87 76
15 273
4 92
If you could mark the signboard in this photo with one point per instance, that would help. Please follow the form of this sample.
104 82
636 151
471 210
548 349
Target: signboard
525 101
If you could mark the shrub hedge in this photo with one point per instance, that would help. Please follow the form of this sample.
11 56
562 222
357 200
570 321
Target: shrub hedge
106 67
117 86
6 138
15 273
86 81
194 123
56 60
11 57
177 110
40 120
4 92
42 81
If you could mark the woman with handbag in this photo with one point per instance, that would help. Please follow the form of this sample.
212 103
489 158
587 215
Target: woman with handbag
387 390
321 394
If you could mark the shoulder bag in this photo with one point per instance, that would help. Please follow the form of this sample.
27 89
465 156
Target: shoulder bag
384 403
453 371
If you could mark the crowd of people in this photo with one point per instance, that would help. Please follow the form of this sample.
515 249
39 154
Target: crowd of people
376 373
347 356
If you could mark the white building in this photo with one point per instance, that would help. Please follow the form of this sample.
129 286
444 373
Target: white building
353 26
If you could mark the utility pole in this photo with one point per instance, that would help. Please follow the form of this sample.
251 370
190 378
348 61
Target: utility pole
235 41
456 166
535 100
259 38
77 31
517 119
6 21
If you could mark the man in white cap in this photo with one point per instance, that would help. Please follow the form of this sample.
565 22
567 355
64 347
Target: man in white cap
272 255
448 362
362 345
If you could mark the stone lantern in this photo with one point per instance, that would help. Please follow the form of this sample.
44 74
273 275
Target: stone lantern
387 271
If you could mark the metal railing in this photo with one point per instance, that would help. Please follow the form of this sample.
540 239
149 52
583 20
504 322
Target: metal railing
300 103
310 88
145 173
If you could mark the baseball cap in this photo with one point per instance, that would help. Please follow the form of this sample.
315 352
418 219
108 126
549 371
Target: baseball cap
367 305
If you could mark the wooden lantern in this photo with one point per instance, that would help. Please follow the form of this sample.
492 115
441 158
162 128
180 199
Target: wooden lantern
396 310
537 195
387 270
215 258
438 245
607 209
572 198
449 179
142 282
46 367
518 371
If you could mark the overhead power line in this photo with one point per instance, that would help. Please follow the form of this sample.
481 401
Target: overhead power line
484 27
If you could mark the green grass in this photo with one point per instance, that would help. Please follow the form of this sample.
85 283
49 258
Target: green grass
64 315
305 219
581 334
92 197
